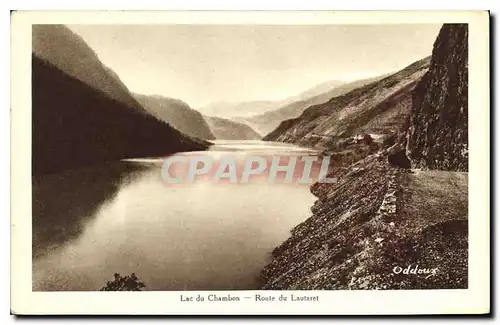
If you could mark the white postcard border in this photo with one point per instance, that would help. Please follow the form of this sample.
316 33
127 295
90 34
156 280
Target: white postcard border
475 299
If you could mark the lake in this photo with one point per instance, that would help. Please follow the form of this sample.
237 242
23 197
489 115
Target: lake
122 217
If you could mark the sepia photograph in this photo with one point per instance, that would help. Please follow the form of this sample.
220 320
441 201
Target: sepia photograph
248 160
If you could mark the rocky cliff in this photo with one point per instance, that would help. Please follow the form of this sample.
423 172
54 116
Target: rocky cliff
437 137
381 226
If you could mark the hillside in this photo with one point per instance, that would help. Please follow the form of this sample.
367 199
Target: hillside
381 226
178 114
267 122
374 219
225 129
76 125
67 51
379 108
83 113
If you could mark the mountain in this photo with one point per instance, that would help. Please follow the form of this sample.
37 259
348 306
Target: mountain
377 219
68 52
82 113
193 123
378 108
225 129
242 110
267 122
75 125
318 90
234 109
178 114
437 137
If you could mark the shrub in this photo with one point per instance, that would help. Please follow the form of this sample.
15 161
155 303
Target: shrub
125 283
367 139
389 140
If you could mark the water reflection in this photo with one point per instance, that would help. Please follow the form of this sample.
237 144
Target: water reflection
123 218
63 203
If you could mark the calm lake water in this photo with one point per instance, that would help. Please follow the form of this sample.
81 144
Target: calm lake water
122 217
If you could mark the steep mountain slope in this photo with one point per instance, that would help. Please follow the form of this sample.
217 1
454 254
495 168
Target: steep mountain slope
82 111
438 137
377 218
76 125
67 51
177 113
380 226
379 108
267 122
225 129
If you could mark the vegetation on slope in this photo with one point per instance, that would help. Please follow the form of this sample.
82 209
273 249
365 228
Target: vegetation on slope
178 114
77 125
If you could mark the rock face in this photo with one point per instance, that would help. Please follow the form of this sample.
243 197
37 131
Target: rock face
381 226
225 129
178 114
438 137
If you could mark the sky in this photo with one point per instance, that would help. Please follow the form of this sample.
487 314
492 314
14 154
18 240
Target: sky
200 64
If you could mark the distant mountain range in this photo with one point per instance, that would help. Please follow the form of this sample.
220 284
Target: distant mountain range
238 109
268 121
246 109
231 130
83 114
241 126
191 122
437 132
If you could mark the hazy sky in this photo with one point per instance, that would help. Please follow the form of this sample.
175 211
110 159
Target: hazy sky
201 64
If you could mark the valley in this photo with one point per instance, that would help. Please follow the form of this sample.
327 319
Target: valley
397 147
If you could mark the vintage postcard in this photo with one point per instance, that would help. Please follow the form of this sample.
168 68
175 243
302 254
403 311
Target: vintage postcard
266 163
